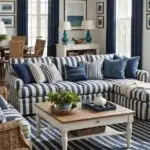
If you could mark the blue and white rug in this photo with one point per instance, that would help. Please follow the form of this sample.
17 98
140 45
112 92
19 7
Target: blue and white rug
50 139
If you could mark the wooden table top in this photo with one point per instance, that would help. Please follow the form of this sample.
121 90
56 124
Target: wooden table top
83 114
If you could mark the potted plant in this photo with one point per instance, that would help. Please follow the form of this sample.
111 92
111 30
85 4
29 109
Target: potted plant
64 100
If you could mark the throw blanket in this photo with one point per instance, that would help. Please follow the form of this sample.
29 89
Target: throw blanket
134 85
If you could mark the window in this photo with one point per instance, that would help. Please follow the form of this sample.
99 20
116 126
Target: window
37 21
123 27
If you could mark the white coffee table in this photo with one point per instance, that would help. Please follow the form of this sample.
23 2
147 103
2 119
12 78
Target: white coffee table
84 118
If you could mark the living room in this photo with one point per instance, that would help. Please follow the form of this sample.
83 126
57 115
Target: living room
74 74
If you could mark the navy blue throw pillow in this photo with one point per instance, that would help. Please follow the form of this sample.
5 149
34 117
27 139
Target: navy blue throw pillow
23 72
76 73
3 103
115 68
131 67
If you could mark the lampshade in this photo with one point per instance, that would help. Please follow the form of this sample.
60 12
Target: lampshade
2 28
66 25
88 24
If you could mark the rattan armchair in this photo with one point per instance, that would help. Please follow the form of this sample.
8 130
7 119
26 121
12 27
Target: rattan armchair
12 138
36 51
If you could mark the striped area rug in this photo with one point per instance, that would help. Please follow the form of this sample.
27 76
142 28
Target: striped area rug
50 139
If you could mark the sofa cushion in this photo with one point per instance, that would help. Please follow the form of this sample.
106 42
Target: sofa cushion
52 74
12 114
60 62
23 72
2 117
67 85
115 68
96 86
3 103
37 73
43 89
35 90
75 73
138 94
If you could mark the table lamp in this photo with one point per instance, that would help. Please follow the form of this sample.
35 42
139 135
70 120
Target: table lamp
88 25
66 26
3 33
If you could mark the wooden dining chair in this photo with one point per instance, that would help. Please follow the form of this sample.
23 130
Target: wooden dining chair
16 49
36 51
19 38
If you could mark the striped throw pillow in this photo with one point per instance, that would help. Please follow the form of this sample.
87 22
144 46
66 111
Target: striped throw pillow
115 68
94 69
2 117
52 73
76 73
37 73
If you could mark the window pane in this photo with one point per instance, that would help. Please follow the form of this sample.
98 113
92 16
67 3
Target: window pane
123 27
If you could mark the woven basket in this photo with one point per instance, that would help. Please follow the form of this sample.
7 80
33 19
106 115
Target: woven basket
12 138
4 91
88 131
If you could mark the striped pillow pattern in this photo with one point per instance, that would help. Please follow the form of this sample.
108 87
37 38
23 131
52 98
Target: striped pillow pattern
115 68
94 69
37 73
76 73
52 74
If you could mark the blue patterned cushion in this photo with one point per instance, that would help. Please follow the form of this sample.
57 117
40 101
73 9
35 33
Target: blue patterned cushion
115 68
131 67
2 117
76 73
23 72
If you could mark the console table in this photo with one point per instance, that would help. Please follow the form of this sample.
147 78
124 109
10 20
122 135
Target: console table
77 49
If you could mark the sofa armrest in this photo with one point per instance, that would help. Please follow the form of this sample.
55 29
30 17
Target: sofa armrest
14 82
142 75
12 131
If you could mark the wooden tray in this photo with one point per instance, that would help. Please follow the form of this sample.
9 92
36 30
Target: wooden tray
62 112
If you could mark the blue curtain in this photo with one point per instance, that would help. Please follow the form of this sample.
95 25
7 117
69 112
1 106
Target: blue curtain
22 17
53 25
111 27
137 29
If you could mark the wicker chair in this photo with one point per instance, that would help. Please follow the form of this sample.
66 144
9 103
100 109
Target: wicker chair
37 51
16 49
12 138
19 38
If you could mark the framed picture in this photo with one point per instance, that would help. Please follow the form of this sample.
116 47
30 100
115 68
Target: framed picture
7 7
9 21
147 21
100 21
76 12
100 8
148 5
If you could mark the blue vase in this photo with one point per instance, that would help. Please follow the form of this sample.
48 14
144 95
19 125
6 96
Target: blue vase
65 37
88 37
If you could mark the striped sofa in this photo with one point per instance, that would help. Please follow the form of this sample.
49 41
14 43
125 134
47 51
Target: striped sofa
24 96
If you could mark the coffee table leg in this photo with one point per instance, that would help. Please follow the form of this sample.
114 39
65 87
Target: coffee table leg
129 134
38 120
64 140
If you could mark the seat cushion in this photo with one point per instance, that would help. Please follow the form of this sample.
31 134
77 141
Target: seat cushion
138 94
43 89
95 86
67 85
36 90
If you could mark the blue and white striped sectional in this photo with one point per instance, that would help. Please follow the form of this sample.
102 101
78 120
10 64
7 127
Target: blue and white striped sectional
23 96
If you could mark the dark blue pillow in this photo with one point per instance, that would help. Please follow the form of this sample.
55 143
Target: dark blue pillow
115 68
76 73
3 103
23 72
131 67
